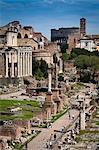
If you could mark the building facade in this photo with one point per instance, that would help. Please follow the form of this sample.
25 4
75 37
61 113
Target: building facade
16 61
61 35
87 43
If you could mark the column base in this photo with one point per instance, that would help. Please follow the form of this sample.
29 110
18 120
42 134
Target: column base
12 76
6 77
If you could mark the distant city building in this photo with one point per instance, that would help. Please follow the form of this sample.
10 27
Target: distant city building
69 36
61 35
87 44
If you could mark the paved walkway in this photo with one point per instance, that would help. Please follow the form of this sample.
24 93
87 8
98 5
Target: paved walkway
7 96
39 142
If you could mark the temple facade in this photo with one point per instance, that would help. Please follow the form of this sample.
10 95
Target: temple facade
18 61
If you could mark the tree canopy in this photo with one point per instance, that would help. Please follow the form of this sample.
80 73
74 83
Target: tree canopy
78 51
63 47
39 69
85 62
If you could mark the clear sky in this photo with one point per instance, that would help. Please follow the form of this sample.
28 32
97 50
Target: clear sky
46 14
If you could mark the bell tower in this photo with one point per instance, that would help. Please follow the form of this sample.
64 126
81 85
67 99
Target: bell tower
82 27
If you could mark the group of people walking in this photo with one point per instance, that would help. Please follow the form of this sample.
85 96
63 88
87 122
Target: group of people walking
52 139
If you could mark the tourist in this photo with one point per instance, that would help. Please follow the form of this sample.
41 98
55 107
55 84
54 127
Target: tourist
55 136
73 117
50 125
76 124
69 115
50 143
26 146
47 144
51 136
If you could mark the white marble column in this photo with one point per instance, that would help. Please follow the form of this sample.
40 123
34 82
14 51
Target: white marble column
60 66
21 64
26 63
28 67
49 80
12 65
18 64
6 66
31 63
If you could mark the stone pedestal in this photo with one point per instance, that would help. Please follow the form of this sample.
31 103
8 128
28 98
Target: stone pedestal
54 109
48 105
49 97
55 92
57 99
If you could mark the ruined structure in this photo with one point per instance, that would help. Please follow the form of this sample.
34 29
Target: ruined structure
16 61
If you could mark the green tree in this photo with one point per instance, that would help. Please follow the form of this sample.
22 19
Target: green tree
39 69
78 51
38 75
35 66
44 68
63 47
65 56
89 65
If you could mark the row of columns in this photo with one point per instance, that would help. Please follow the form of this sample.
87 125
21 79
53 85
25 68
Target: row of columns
24 64
12 61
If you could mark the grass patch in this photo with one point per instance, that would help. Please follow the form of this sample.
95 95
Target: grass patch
79 139
97 123
87 131
58 115
28 108
4 104
78 86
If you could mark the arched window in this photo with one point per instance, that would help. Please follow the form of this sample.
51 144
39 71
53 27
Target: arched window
26 36
19 36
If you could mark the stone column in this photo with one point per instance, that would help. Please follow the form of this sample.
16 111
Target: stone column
56 76
12 65
60 66
18 64
21 64
49 80
6 66
31 63
24 64
28 67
